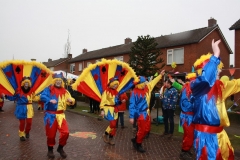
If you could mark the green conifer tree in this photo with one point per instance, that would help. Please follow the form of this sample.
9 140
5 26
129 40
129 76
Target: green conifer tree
145 58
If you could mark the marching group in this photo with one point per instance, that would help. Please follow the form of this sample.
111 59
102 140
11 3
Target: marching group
202 99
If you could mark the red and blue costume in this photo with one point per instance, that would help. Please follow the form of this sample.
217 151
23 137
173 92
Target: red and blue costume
186 116
54 117
139 108
208 94
20 82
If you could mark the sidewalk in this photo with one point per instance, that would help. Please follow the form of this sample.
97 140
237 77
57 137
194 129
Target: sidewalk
233 128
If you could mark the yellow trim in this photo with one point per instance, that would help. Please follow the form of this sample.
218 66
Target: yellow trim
28 81
224 144
27 70
113 83
5 83
140 86
21 134
204 58
191 75
30 112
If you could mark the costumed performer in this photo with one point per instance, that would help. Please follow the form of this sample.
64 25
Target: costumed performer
56 98
186 114
109 109
105 82
20 82
139 109
210 116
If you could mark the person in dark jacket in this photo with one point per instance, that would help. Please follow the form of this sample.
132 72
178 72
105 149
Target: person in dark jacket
73 93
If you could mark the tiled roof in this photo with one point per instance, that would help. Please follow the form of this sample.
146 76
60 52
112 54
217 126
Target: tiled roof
182 38
235 26
54 62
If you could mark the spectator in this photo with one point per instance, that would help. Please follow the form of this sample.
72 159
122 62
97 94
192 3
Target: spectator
169 102
91 105
122 109
73 94
1 102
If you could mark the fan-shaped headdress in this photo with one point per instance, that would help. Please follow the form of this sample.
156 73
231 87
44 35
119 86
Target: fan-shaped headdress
94 79
12 75
202 61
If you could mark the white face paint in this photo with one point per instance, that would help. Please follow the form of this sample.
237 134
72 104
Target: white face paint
58 83
26 85
218 73
115 86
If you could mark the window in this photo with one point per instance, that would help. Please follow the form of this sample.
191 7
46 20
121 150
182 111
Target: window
120 58
98 60
72 68
175 55
80 67
88 63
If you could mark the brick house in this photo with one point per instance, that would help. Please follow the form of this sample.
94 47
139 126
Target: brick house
183 48
59 64
236 28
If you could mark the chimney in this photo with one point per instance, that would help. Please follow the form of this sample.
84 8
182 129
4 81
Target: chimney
128 40
49 60
212 22
33 59
84 50
70 56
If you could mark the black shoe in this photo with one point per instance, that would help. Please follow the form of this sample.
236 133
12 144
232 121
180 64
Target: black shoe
61 151
39 108
139 148
27 135
22 138
185 156
1 110
190 153
147 136
134 143
170 136
50 153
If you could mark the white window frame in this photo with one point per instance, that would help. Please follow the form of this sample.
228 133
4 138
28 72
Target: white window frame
88 63
80 67
72 68
170 52
98 60
120 58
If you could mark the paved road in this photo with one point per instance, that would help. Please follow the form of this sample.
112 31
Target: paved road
84 146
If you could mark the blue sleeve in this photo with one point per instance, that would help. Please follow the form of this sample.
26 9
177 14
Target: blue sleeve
203 83
132 104
185 103
12 98
45 95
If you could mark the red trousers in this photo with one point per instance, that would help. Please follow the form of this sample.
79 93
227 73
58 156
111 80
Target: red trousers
144 127
188 136
25 125
51 133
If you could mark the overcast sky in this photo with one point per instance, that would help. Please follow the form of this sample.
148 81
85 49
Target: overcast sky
39 28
